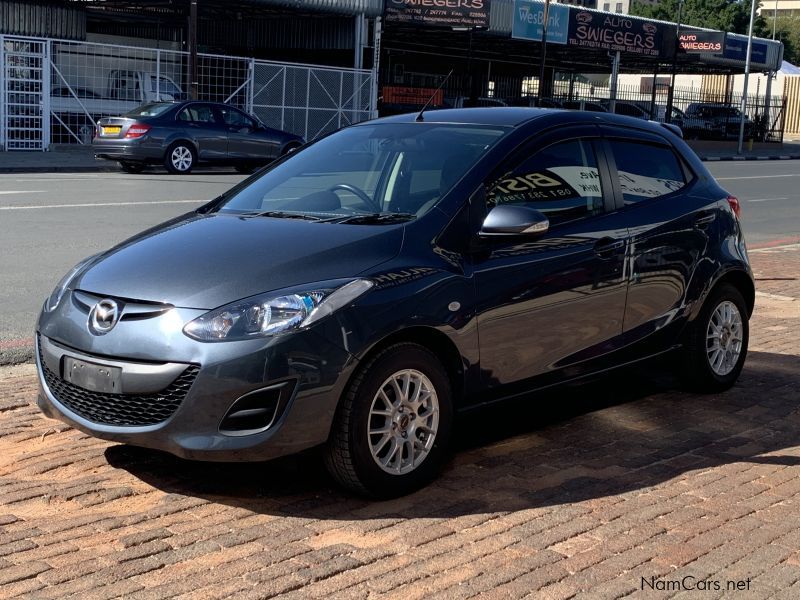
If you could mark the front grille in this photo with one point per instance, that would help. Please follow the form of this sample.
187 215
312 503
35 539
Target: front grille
127 410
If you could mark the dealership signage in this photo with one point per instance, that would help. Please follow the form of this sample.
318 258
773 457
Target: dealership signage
444 13
702 41
529 20
603 31
736 49
412 95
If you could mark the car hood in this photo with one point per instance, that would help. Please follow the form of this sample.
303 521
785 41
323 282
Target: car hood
205 261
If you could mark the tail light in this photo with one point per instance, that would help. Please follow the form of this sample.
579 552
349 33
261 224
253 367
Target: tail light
137 130
735 206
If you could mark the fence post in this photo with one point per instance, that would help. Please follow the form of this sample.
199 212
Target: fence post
283 100
158 75
46 87
308 99
2 93
376 61
341 87
251 84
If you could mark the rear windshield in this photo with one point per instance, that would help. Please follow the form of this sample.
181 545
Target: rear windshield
153 109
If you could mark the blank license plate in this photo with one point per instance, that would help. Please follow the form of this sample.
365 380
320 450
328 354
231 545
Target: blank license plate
111 130
93 377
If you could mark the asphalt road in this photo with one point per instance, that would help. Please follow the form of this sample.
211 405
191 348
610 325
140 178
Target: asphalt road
49 222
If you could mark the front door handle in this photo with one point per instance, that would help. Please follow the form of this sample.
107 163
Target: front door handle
604 247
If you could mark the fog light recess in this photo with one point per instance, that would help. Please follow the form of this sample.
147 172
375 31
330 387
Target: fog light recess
256 411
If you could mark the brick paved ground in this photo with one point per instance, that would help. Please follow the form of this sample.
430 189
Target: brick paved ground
588 497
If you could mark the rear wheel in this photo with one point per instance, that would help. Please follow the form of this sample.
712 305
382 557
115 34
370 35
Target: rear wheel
392 429
131 167
716 342
180 158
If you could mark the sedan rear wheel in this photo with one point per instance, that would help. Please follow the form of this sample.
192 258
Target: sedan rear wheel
180 158
392 429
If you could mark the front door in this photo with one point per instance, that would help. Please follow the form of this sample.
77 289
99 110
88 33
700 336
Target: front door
555 301
244 139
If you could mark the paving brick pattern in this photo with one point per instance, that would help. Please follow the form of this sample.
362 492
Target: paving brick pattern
626 487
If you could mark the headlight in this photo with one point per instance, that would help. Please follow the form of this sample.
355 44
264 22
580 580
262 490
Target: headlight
270 314
61 287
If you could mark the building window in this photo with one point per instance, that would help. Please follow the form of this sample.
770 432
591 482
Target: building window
490 91
619 7
606 6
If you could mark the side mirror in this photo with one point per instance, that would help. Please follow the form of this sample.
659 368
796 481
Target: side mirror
510 220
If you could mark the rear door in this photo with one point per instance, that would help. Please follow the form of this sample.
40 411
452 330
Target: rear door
669 224
550 302
200 123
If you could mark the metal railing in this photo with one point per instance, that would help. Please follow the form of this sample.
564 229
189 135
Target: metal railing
70 85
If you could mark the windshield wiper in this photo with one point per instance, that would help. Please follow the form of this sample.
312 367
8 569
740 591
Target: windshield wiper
383 217
280 214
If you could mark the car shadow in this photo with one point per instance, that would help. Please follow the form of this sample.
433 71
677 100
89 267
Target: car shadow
622 432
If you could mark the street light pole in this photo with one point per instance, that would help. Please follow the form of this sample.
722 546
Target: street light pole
545 16
746 75
671 92
775 20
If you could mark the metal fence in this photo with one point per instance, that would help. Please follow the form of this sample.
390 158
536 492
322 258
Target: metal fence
765 116
54 91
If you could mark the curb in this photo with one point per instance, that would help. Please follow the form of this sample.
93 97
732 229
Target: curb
98 169
739 158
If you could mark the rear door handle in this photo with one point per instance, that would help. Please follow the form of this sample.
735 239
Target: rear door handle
704 219
606 246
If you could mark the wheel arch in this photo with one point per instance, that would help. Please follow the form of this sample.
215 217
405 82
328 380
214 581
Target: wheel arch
743 282
432 339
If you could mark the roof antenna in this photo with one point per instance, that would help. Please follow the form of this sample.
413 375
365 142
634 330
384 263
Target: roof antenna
419 118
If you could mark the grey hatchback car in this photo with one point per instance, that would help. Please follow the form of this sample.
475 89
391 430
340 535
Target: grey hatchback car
181 134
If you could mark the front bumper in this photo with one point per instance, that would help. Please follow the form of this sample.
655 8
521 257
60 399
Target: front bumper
202 380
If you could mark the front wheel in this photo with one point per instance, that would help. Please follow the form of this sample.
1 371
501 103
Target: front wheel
180 158
716 342
391 432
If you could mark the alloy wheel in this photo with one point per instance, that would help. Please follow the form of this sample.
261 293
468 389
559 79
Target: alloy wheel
403 420
182 158
724 337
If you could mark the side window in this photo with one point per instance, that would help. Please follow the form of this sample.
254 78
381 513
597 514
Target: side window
562 182
236 118
197 113
646 171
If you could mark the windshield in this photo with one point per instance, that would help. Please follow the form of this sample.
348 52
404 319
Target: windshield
164 85
153 109
391 168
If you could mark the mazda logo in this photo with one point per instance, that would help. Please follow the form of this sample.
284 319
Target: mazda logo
103 316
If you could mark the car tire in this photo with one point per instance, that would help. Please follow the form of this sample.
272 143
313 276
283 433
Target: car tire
131 167
180 158
715 346
381 465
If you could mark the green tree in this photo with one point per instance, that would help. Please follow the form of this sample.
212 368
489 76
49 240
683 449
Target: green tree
724 15
787 30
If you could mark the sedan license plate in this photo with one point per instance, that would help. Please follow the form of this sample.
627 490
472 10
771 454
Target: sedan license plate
111 129
93 377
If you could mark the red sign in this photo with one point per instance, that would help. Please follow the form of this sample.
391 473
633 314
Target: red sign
412 95
702 41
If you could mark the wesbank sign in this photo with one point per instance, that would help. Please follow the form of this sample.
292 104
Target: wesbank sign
529 19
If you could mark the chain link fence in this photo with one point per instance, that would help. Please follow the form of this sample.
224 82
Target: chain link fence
77 83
